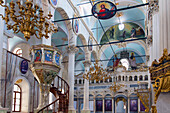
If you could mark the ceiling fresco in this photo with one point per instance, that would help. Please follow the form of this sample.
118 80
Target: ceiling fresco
131 30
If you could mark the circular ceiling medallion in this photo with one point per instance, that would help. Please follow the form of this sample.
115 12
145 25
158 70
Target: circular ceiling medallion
104 10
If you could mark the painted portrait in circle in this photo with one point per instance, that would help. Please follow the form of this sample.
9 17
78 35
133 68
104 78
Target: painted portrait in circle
104 10
53 3
24 66
75 24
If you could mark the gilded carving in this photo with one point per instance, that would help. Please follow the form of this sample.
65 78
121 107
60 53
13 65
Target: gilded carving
160 75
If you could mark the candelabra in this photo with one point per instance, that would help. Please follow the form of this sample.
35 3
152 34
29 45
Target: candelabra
27 19
97 73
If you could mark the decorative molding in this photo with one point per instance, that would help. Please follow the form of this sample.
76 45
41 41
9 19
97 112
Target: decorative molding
149 40
72 49
153 7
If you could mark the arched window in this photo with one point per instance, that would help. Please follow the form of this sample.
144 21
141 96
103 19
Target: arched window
123 78
130 78
75 81
126 78
110 80
140 78
18 51
136 78
125 63
80 81
16 106
146 77
119 78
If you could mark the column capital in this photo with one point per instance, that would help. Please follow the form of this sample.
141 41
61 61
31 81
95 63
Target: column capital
87 63
153 8
72 49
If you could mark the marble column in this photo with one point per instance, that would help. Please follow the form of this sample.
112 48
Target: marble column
128 104
71 61
94 105
2 11
138 105
164 19
86 89
103 105
113 105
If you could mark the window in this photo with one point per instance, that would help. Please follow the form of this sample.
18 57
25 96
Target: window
136 78
130 78
18 51
140 78
125 63
119 78
16 106
146 77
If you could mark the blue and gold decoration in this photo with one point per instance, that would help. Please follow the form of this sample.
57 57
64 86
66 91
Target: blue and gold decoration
46 63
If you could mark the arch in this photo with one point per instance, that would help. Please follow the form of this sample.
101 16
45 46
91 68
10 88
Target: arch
25 86
140 78
130 78
135 78
23 46
67 23
146 77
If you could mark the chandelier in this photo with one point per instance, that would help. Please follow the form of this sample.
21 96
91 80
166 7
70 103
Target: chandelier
97 73
114 88
27 19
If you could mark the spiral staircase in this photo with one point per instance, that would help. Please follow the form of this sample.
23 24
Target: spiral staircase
61 93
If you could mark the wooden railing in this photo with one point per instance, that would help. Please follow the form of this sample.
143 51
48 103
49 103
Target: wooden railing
61 92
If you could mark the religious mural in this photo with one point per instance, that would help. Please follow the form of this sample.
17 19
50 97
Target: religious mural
104 10
57 59
99 104
24 66
53 3
75 24
108 105
130 30
133 105
48 56
38 55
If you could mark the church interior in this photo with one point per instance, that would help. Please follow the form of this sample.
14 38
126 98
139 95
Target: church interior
84 56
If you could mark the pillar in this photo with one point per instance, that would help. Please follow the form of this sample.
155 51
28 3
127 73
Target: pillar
138 105
164 19
94 105
2 11
113 105
86 89
128 104
103 105
71 61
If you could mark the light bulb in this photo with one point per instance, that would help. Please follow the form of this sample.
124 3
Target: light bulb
121 26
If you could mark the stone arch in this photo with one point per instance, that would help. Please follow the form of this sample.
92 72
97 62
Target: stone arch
25 86
84 42
67 23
